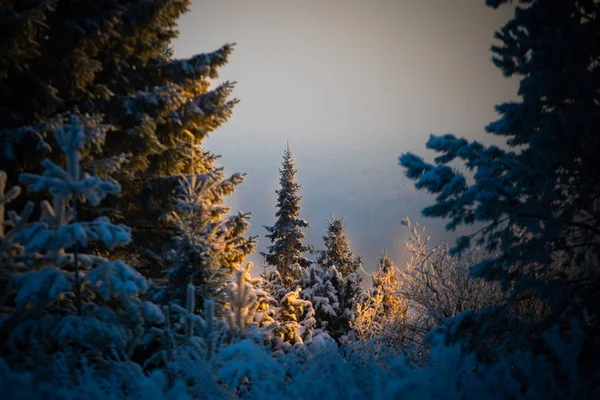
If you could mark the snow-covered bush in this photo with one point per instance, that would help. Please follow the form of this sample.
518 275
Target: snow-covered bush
438 283
542 368
246 369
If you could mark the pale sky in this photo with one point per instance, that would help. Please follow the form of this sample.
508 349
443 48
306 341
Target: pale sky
352 85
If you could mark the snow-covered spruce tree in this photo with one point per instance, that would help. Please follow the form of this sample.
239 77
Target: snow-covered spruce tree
272 282
337 250
537 201
336 299
319 287
286 318
340 272
295 322
353 294
293 313
112 58
268 282
286 235
58 298
209 244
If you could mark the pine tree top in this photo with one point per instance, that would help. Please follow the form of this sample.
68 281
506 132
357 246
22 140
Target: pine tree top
384 264
337 250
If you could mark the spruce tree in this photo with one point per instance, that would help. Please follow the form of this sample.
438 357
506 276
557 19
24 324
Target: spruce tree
186 334
536 200
335 287
337 250
286 235
336 299
111 57
57 298
96 56
319 288
209 243
295 321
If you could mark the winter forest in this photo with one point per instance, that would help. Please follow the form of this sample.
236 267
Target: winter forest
124 271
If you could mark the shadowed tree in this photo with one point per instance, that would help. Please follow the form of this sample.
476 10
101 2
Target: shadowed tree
113 58
536 200
57 298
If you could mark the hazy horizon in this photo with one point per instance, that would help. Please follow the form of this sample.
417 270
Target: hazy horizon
352 85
